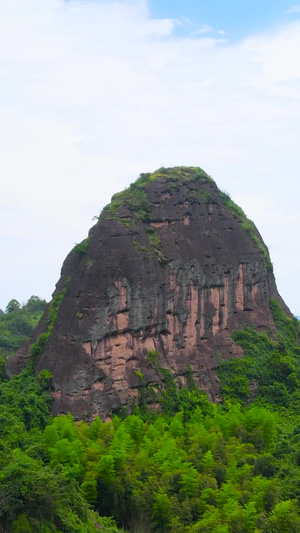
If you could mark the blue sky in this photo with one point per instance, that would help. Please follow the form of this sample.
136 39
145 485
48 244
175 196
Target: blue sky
94 92
238 18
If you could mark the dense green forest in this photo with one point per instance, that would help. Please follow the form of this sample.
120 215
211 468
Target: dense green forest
192 466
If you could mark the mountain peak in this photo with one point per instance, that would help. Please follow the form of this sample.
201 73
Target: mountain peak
136 195
172 267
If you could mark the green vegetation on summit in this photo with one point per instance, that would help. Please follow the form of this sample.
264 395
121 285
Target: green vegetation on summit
136 198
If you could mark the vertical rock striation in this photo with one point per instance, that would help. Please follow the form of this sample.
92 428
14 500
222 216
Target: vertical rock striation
172 265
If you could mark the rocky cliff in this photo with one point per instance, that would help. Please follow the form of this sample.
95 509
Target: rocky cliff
172 266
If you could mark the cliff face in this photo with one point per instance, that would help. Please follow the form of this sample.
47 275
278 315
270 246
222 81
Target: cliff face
172 265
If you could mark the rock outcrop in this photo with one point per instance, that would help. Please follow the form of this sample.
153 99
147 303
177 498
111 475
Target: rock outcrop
172 266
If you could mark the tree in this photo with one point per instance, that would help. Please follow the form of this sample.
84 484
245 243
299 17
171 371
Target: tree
13 305
161 511
284 518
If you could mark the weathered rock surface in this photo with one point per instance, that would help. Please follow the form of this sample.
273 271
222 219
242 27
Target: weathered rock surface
172 265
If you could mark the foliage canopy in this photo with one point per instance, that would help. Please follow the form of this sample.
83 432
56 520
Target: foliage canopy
191 467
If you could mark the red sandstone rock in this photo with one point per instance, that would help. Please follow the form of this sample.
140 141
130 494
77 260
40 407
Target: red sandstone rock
170 269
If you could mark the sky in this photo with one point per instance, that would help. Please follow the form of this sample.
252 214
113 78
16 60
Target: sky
94 92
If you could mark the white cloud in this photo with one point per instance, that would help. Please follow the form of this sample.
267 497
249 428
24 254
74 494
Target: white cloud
93 93
294 9
204 29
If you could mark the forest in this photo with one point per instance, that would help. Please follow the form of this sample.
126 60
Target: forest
192 466
17 322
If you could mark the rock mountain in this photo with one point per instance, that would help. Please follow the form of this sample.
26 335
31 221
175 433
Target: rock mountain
172 266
